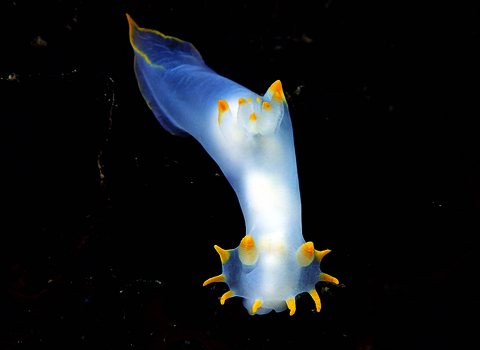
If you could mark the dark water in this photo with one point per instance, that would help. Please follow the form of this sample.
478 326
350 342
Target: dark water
384 102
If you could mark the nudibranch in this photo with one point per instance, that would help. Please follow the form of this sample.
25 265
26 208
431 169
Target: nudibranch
251 139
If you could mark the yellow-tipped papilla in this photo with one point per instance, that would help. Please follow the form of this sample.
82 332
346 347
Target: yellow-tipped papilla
222 109
224 254
291 305
313 293
327 278
228 123
319 254
277 99
257 105
219 278
275 91
305 254
226 296
246 117
267 123
256 306
248 251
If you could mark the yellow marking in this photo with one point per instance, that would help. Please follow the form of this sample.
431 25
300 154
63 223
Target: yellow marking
224 254
277 248
219 278
319 254
277 86
305 254
226 296
259 99
313 293
222 108
267 106
308 248
148 104
247 251
247 242
133 27
132 23
277 96
241 101
327 278
256 306
253 117
249 99
277 91
291 305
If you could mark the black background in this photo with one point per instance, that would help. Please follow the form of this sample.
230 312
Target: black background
388 158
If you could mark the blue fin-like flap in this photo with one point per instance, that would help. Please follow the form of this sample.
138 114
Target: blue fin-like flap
156 56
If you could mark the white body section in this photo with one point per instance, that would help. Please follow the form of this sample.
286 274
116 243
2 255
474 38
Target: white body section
184 95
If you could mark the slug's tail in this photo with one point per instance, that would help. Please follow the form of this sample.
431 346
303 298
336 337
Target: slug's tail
157 54
160 50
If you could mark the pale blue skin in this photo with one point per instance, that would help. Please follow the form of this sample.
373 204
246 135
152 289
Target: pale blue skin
184 93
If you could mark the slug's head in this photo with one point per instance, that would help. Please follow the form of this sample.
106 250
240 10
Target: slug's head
269 276
255 116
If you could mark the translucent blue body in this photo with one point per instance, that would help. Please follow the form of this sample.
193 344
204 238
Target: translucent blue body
188 98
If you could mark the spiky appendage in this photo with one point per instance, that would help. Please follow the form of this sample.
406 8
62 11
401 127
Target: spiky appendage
269 279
